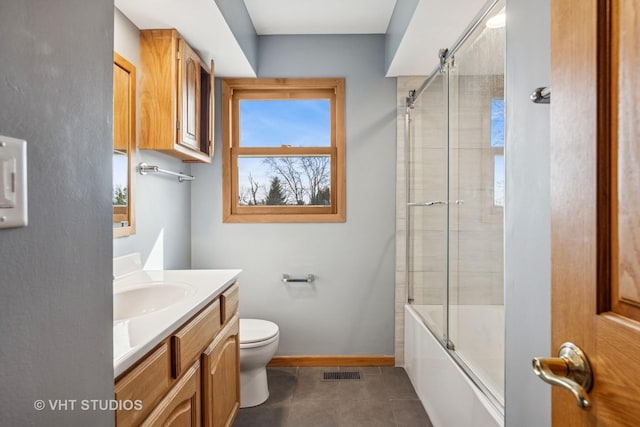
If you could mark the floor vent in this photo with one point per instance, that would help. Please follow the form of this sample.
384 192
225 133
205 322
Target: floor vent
337 376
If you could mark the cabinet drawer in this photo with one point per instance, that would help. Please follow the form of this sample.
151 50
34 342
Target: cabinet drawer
229 302
188 342
147 382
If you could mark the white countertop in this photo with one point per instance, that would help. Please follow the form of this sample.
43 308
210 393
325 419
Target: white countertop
134 337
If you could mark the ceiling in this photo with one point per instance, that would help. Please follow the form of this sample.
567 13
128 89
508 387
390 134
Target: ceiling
435 24
432 25
202 25
320 16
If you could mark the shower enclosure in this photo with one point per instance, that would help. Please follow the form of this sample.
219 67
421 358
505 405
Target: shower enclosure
456 199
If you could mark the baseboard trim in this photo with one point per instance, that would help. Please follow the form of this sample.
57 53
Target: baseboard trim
358 360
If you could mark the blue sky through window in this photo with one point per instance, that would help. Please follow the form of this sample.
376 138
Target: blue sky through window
273 123
497 122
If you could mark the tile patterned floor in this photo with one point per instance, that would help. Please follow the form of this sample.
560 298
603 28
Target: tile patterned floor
383 397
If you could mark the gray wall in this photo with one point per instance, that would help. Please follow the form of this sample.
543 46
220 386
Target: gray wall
238 19
55 275
350 308
527 233
400 19
162 205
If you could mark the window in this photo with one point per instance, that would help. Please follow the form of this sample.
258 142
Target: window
497 122
283 150
497 142
498 180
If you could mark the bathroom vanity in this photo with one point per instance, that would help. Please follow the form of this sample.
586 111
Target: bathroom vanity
176 348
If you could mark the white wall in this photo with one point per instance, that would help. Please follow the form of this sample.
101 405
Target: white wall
162 205
56 87
349 310
527 233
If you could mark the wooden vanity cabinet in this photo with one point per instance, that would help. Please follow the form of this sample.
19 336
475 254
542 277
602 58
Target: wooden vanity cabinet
221 377
192 378
176 97
147 382
221 366
181 406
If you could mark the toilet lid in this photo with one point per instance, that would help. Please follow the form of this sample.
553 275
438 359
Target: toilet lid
256 330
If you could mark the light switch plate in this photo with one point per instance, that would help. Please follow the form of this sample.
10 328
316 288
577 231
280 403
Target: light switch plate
13 182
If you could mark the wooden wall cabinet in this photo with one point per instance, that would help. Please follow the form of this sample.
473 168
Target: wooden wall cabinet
192 378
176 97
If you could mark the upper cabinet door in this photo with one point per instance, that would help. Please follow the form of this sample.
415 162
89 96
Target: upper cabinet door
175 97
188 113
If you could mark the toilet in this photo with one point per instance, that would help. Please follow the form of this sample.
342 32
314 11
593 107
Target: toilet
258 343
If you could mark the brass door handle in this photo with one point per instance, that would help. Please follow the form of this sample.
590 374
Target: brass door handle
571 370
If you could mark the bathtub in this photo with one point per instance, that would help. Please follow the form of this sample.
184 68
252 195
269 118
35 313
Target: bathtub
442 386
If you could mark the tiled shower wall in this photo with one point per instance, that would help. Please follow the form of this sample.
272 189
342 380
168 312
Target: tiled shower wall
476 261
428 183
475 240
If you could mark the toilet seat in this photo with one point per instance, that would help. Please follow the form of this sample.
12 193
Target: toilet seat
257 332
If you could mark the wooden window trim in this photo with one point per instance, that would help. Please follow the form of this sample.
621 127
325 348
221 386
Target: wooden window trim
235 89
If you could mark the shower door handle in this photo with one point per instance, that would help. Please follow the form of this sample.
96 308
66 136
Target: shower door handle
431 203
571 370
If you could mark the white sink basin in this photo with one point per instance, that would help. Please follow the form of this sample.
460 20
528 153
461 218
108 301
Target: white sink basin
144 298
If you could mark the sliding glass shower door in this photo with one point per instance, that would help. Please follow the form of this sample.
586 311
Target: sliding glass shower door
456 187
476 211
427 207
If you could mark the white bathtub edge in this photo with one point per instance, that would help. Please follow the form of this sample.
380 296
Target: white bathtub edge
441 385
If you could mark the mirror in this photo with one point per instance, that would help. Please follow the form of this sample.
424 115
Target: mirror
124 143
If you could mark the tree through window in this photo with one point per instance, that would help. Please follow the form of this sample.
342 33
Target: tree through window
283 158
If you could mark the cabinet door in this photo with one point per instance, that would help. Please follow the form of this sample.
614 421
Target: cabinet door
147 382
189 108
221 365
181 406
